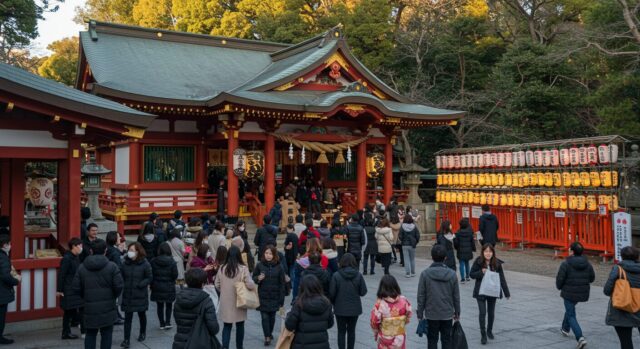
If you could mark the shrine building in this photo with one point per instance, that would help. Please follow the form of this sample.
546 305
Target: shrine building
290 110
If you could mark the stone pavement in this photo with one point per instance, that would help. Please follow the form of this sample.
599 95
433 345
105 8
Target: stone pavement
530 319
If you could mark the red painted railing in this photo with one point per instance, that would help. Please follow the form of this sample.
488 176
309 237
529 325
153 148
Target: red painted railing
36 293
255 208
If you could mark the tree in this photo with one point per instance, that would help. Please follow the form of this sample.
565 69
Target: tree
62 64
116 11
154 14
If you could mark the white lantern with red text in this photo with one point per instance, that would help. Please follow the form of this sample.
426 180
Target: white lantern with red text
487 159
583 156
565 159
546 158
530 160
41 191
555 157
574 155
508 156
501 157
592 154
537 158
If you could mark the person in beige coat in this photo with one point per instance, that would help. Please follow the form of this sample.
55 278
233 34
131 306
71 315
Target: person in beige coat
384 237
395 224
231 272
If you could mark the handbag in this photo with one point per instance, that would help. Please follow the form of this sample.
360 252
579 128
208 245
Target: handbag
490 285
245 298
625 297
458 338
199 336
285 339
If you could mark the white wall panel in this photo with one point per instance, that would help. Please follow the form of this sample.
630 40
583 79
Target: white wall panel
30 139
122 165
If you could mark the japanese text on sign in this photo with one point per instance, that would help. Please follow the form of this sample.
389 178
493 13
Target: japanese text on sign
621 232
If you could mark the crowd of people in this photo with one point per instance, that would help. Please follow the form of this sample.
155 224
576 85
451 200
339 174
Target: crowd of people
200 273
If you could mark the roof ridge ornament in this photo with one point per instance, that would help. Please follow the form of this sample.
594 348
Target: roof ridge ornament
92 30
356 86
334 33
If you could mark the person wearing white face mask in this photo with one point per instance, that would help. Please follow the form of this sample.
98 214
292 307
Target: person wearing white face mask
149 241
70 303
137 275
8 279
203 260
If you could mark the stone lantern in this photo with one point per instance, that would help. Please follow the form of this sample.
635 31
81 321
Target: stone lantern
412 180
93 173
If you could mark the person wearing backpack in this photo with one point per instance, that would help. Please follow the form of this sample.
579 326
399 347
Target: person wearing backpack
191 303
623 321
346 289
573 280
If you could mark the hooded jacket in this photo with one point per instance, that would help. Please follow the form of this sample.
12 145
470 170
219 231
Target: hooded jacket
291 254
346 288
489 228
187 309
372 242
574 278
438 293
447 240
150 248
165 273
322 275
68 268
98 282
355 238
266 235
464 244
617 317
310 323
137 277
409 235
332 259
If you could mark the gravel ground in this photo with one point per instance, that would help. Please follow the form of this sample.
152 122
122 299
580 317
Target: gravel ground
539 261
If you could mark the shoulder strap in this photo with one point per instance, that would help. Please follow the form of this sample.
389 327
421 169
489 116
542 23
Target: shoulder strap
621 273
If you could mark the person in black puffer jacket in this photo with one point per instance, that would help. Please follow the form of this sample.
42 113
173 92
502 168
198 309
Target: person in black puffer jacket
266 235
115 255
345 291
137 275
310 317
149 242
489 226
269 275
291 249
624 322
163 285
409 237
371 250
191 303
446 238
315 269
466 246
70 303
356 237
98 282
574 278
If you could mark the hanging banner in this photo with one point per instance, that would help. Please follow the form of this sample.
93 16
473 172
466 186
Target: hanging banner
476 211
239 162
465 212
621 232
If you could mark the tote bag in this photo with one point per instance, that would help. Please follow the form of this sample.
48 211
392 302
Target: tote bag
625 297
245 298
285 339
490 285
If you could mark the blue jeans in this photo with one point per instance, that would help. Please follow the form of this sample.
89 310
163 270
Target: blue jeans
464 268
226 334
570 320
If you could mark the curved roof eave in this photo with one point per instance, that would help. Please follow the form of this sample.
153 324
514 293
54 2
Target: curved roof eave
111 92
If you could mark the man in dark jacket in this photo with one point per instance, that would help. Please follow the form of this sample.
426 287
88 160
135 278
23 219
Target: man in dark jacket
70 303
7 281
85 213
438 299
266 235
291 249
87 242
345 291
98 282
488 226
191 303
574 278
356 238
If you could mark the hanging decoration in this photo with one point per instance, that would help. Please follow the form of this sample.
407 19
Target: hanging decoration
254 165
41 191
339 158
322 158
302 155
290 151
349 154
375 165
320 147
239 162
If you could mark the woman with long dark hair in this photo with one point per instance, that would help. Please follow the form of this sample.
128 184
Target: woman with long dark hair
390 315
311 316
163 286
230 273
409 238
269 275
445 237
137 275
384 236
466 246
487 260
149 241
346 289
371 249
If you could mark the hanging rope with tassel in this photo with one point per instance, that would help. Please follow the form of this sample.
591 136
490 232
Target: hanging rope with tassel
322 148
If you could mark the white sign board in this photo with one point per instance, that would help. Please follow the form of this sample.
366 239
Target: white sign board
465 212
559 214
621 232
476 211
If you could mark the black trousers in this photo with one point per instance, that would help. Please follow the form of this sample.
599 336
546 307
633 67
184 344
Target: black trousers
69 316
487 305
3 317
164 313
442 329
372 259
268 323
346 327
106 334
625 334
128 318
399 247
385 261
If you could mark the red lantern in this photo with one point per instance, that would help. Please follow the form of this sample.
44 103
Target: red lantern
592 154
546 158
582 156
537 158
565 160
555 157
530 160
574 155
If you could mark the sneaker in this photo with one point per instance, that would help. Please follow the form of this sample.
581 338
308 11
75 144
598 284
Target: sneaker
413 274
5 340
468 279
564 332
69 336
462 281
162 327
407 275
581 343
168 326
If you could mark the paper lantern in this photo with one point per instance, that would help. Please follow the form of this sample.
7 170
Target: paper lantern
530 158
566 179
40 191
447 196
585 180
525 179
375 165
555 157
565 159
439 180
494 180
480 158
438 194
613 153
503 200
454 179
254 167
507 159
563 202
583 156
494 159
548 179
574 155
472 161
531 201
516 200
487 159
581 202
451 160
467 179
614 202
537 201
573 202
514 159
474 179
591 203
546 201
594 178
546 158
555 201
495 198
476 198
592 154
510 199
557 179
604 155
456 161
537 158
541 179
522 158
605 178
459 197
483 198
239 162
481 179
614 178
463 161
508 180
500 179
438 162
533 179
575 179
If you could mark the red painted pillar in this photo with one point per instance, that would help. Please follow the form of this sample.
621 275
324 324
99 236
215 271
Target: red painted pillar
135 168
232 180
73 206
5 187
361 179
17 209
270 172
388 171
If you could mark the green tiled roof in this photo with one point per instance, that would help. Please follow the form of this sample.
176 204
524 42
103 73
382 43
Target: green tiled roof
17 81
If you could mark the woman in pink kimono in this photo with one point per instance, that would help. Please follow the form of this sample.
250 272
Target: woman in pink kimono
390 315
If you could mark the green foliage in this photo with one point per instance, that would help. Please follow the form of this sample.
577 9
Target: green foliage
117 11
616 103
153 14
62 64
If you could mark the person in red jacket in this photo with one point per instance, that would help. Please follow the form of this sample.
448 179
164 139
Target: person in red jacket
308 233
